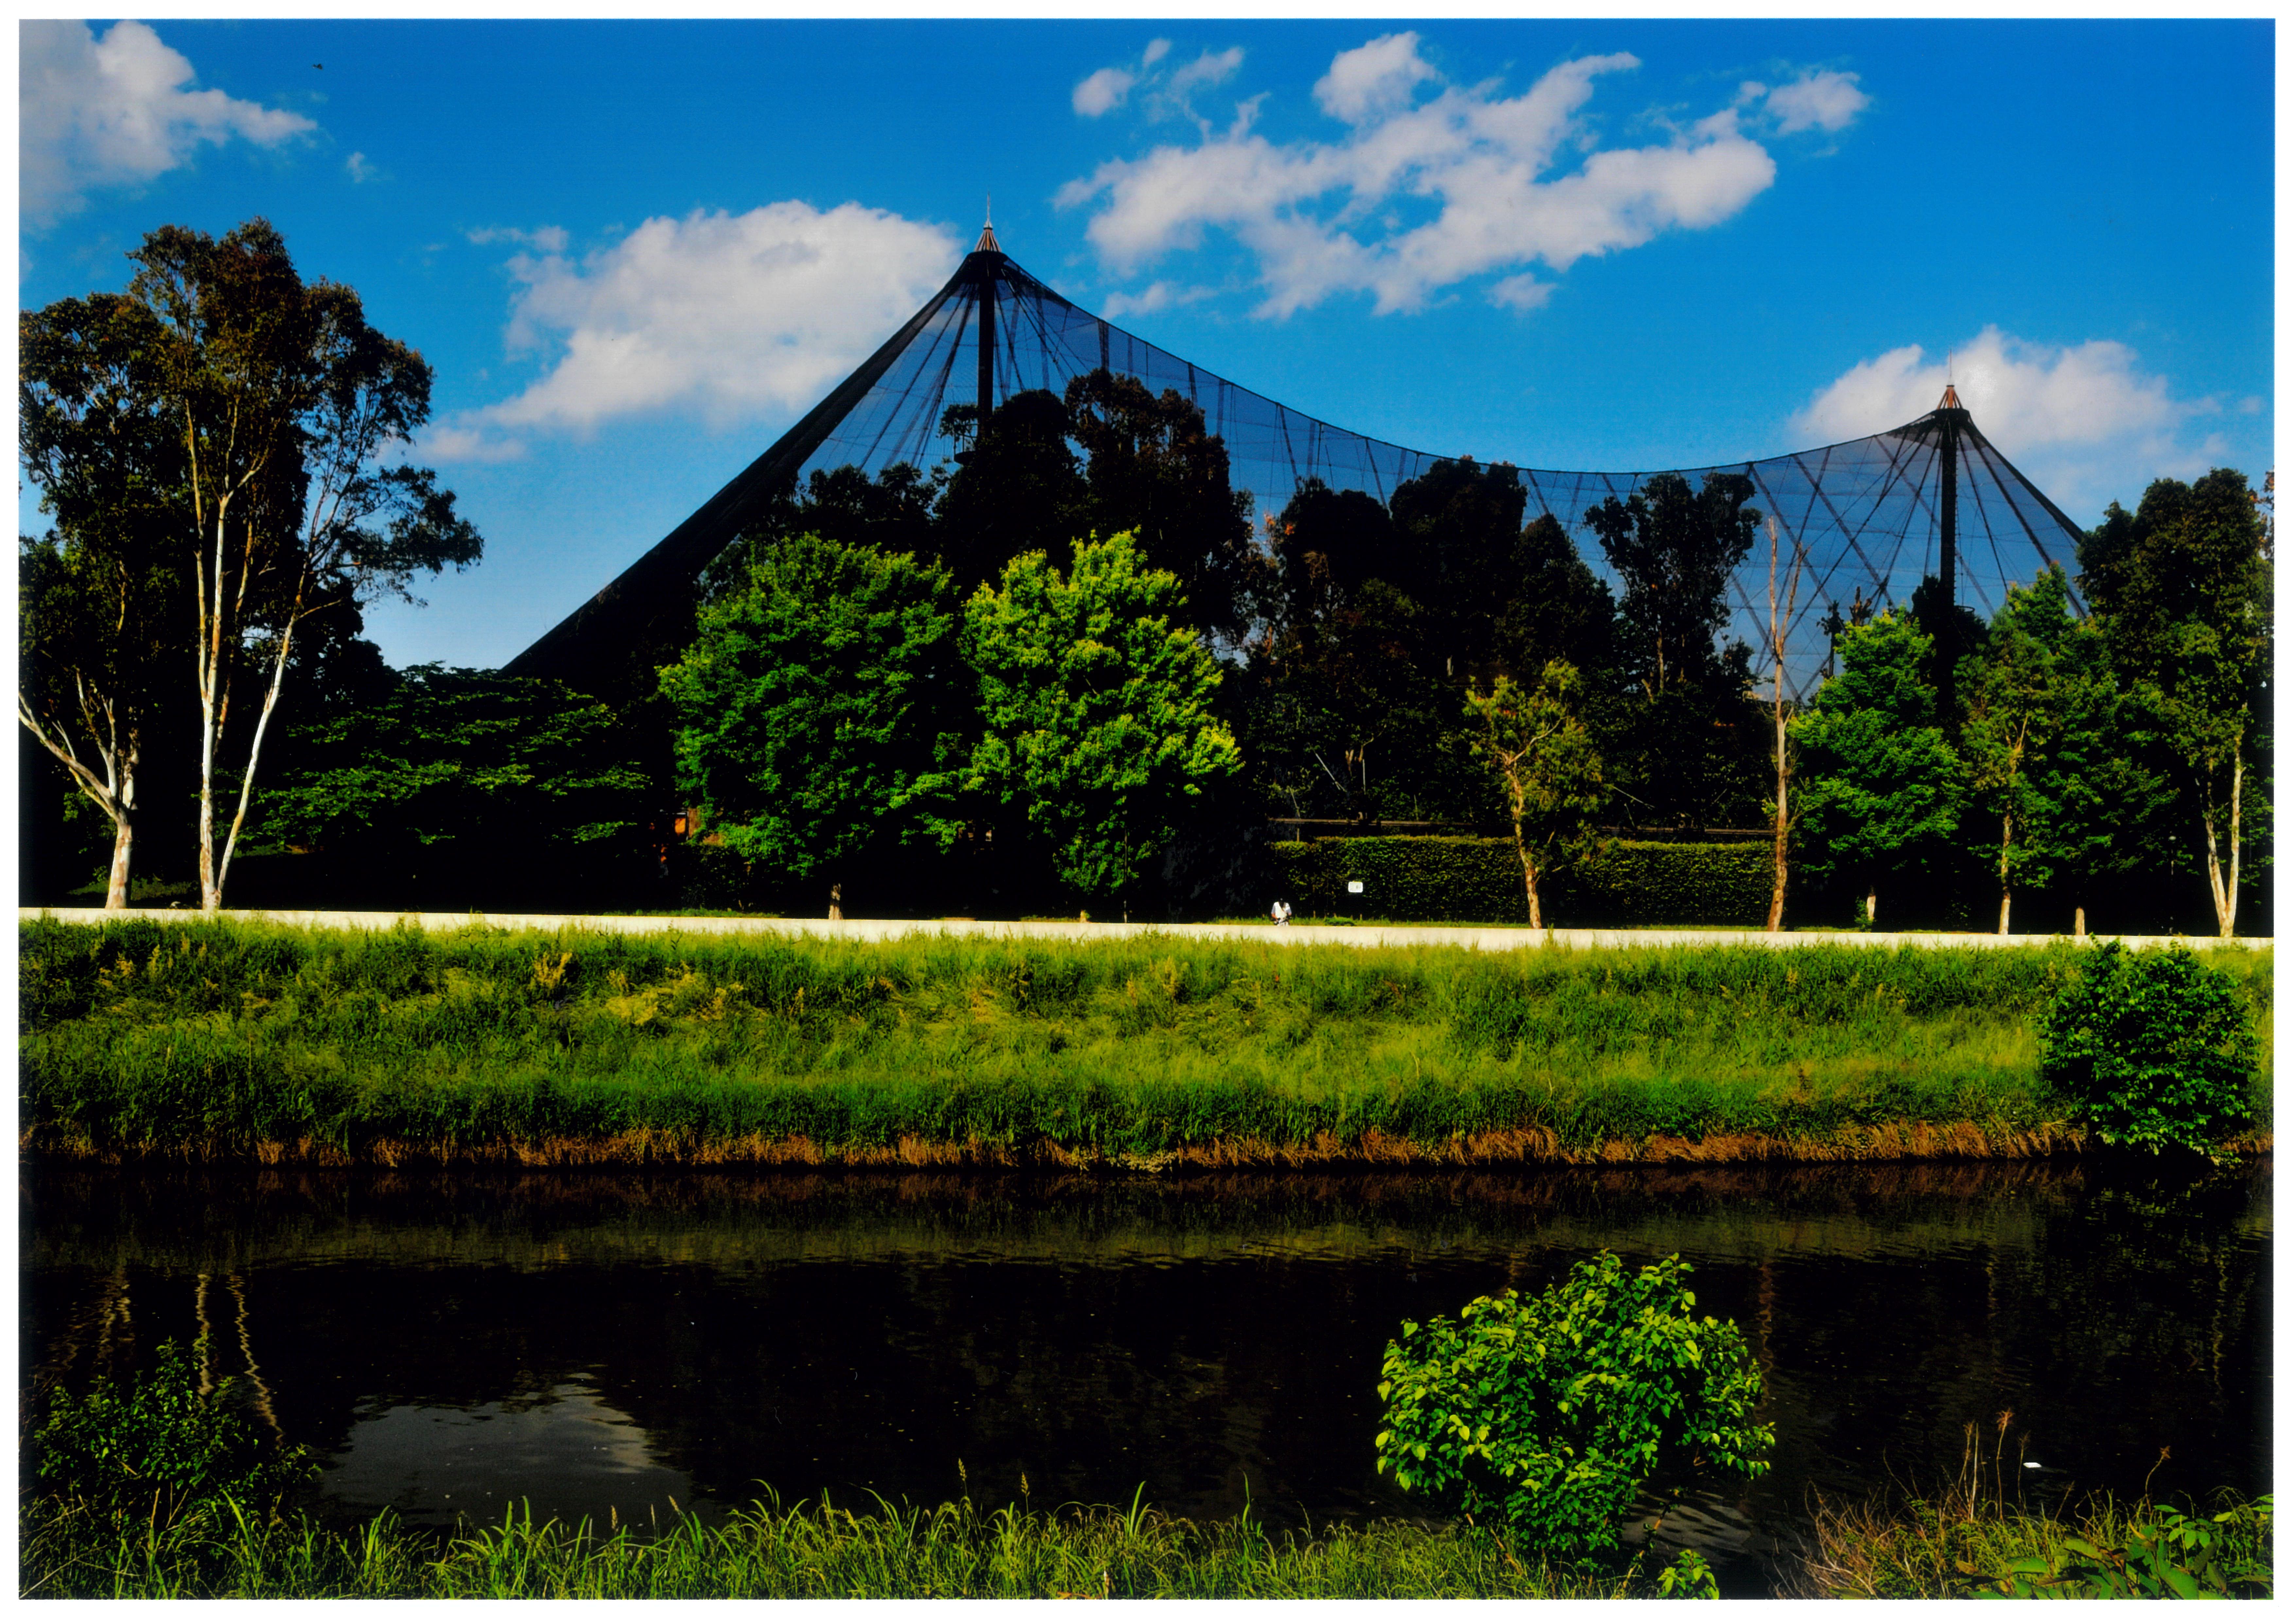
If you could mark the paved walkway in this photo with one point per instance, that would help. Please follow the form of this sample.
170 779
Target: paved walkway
1489 939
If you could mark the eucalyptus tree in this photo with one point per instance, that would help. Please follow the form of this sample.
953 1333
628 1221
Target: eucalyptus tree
278 397
2183 589
100 596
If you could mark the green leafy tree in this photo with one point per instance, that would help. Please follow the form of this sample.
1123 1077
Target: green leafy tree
1153 471
281 398
2153 1049
1533 741
1547 1416
1685 742
102 597
462 782
1459 524
2109 791
2016 701
1883 792
1017 486
2183 588
1095 710
812 707
1557 609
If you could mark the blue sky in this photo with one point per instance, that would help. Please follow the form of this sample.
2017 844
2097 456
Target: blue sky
636 252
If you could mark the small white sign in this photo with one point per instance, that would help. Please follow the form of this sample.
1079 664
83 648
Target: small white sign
1355 887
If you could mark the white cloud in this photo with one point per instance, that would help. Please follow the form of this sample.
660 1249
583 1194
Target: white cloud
545 238
1210 69
359 170
114 111
1155 296
1096 93
1165 94
729 316
1319 217
2082 420
1372 80
1825 101
1523 292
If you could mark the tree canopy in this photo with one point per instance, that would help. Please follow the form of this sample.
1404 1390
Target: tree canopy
1095 710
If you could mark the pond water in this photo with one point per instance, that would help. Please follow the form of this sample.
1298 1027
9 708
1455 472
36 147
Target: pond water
611 1343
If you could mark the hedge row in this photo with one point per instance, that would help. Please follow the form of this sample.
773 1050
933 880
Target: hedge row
1625 882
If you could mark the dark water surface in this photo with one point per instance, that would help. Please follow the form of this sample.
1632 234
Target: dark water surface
447 1342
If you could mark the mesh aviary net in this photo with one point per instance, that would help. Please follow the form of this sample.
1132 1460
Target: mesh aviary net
1871 516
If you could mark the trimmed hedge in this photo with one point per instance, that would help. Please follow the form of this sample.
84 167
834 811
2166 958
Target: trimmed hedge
1626 882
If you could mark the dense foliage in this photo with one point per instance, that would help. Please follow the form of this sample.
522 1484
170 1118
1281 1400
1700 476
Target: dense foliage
813 707
1095 710
1548 1415
1460 878
158 1448
2153 1049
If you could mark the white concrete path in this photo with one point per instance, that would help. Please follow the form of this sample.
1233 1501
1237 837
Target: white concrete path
1489 939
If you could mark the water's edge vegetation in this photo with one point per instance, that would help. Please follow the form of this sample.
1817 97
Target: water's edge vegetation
238 1038
216 1547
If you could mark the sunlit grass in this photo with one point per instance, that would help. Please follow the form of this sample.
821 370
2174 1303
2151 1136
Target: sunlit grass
231 1036
218 1549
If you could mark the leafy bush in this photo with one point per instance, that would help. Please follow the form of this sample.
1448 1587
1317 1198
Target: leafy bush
1547 1415
2166 1556
157 1447
2153 1049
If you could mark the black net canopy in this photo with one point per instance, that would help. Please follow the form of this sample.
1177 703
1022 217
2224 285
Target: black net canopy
1871 517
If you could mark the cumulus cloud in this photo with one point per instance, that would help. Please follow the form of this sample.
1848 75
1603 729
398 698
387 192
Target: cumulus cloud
1097 92
359 170
2077 419
1821 100
1321 218
116 111
729 317
1372 79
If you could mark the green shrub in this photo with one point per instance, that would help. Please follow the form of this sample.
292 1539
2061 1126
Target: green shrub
2151 1049
1547 1416
158 1446
1624 882
2165 1556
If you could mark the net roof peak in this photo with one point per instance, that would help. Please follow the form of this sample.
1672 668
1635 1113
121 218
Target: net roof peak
1870 517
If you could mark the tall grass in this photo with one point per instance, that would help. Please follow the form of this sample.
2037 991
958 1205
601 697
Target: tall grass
217 1548
236 1037
1976 1534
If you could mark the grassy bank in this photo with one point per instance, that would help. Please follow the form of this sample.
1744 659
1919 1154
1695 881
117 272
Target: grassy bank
215 1549
239 1038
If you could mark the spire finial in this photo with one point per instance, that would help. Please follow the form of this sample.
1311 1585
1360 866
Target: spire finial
987 244
1950 402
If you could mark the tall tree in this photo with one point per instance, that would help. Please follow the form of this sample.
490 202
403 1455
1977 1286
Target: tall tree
1782 793
1017 488
2183 589
2014 701
1095 710
812 707
1687 743
1459 523
1552 607
1153 469
1532 738
282 397
1882 791
100 597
